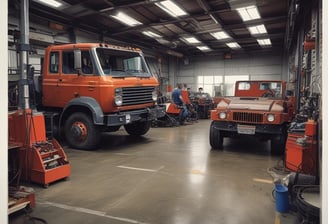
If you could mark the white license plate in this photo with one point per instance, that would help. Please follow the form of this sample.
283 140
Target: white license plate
246 129
127 118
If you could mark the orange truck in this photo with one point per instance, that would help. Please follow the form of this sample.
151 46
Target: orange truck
262 109
89 88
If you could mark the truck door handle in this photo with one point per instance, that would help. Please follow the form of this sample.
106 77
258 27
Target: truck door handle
92 85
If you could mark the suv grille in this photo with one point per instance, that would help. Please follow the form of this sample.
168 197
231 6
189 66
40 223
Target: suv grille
137 95
248 117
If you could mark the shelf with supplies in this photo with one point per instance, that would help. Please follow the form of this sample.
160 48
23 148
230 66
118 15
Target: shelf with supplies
49 162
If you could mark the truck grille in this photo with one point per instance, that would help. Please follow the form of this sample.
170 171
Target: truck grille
137 95
247 117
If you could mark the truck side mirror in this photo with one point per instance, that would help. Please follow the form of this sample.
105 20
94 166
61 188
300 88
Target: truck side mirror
77 60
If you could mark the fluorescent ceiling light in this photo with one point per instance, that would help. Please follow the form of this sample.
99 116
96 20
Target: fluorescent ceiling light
151 34
257 29
51 3
191 40
124 18
220 35
264 42
171 8
249 13
233 45
203 48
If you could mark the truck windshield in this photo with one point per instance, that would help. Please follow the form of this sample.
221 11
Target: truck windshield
119 63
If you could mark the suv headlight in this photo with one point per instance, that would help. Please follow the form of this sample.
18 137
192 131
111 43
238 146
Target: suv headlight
118 97
222 115
270 117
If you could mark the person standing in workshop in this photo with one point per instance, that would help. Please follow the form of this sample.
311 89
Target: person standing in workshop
178 100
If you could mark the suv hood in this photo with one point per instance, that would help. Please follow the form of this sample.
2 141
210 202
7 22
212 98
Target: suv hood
260 104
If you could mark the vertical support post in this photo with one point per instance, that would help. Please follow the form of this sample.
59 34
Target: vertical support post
24 48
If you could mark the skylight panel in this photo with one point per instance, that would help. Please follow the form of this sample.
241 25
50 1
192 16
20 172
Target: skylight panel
151 34
260 29
249 13
124 18
203 48
51 3
220 35
191 40
171 8
264 42
233 45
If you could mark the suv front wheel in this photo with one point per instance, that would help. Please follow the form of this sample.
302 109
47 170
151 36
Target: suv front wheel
216 137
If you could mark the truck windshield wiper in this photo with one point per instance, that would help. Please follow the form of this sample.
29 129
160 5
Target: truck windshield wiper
137 73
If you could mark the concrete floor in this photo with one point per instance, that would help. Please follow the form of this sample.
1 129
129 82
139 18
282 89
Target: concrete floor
169 176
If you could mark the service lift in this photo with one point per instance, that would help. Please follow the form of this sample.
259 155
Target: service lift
32 157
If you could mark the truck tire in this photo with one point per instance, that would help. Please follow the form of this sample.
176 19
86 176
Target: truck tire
138 128
216 138
278 144
80 132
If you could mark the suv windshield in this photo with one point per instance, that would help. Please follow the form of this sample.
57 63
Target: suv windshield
120 63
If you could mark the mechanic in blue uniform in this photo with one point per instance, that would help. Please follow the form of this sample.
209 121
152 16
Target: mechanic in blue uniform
178 100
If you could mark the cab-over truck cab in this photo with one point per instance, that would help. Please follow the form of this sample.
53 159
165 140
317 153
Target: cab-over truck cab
259 108
90 88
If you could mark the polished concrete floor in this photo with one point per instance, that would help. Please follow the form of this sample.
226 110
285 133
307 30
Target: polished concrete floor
169 176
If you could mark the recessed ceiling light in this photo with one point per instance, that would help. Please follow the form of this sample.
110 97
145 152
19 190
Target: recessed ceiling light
233 45
203 48
171 8
124 18
51 3
264 42
151 34
220 35
257 29
191 40
249 13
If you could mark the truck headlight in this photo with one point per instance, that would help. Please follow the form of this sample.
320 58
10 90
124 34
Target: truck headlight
222 115
118 97
154 95
270 117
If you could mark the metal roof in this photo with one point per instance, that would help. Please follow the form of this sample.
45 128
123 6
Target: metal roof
203 17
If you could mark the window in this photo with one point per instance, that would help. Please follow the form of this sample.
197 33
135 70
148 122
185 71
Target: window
87 67
68 62
230 81
54 62
244 86
209 84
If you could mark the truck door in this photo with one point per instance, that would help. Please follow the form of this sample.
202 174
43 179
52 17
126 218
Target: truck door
73 83
50 79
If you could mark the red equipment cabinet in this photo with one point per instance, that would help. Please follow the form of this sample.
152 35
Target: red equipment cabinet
41 160
302 150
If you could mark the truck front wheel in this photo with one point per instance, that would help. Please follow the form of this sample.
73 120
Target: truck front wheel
138 128
80 132
216 137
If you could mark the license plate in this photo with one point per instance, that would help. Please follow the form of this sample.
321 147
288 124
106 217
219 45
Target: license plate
246 129
127 118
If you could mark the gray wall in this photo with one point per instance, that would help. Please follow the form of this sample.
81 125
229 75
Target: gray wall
268 67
